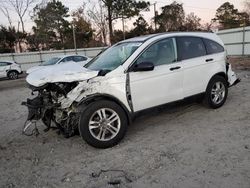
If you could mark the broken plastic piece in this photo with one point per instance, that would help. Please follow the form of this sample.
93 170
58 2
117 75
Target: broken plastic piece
30 128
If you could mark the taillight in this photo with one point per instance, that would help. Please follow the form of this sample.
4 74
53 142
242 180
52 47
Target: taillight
18 64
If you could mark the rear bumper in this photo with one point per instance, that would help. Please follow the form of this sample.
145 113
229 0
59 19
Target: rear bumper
235 82
232 77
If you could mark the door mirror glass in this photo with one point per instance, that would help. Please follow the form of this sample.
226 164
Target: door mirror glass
143 66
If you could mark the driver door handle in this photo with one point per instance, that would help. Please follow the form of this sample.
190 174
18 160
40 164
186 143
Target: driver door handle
208 60
174 68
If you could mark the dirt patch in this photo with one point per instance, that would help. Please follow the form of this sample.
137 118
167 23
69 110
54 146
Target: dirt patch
240 63
182 145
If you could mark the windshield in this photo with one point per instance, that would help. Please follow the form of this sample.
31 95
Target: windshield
113 57
52 61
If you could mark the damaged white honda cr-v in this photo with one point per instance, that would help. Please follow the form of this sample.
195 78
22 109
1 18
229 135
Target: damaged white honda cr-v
100 100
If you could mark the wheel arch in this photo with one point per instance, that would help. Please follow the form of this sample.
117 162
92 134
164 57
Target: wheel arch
222 74
11 70
95 97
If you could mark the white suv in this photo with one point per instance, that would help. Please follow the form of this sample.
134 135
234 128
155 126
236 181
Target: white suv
101 99
10 69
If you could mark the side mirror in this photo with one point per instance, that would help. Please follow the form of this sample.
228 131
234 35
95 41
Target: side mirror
144 66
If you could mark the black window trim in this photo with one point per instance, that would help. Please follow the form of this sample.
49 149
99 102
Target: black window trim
203 41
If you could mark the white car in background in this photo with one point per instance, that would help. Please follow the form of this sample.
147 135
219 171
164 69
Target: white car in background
10 69
79 59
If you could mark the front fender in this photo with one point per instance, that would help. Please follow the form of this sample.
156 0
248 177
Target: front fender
83 104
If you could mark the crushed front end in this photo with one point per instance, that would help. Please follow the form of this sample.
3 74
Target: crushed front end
46 106
55 90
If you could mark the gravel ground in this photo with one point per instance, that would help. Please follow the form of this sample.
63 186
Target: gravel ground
6 84
180 145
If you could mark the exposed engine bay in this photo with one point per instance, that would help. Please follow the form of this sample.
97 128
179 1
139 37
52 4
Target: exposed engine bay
55 101
46 106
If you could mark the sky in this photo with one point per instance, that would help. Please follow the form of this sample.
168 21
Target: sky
205 9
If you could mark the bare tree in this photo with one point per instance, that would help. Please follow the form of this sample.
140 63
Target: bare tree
98 17
4 9
21 7
208 26
247 6
192 22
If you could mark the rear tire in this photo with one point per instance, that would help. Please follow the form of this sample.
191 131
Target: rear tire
13 75
216 92
103 124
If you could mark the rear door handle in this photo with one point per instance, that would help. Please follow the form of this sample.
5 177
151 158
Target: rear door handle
174 68
208 60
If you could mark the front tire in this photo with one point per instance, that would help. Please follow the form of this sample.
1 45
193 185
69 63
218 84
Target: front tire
103 124
216 93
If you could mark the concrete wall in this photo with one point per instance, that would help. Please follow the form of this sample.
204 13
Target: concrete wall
30 59
237 41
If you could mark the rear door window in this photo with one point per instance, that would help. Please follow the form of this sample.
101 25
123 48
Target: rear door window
213 47
190 47
4 64
67 59
79 58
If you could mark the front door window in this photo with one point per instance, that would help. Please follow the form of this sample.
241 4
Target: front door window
160 53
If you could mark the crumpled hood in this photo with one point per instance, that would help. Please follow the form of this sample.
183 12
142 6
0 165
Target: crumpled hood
67 72
35 68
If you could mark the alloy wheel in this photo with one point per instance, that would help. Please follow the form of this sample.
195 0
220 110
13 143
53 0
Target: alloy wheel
218 92
13 75
104 124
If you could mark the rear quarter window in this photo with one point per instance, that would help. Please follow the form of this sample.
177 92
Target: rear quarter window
79 58
67 59
213 47
190 47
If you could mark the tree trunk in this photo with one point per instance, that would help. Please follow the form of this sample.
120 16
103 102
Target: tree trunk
21 19
104 37
19 44
19 40
110 25
62 41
